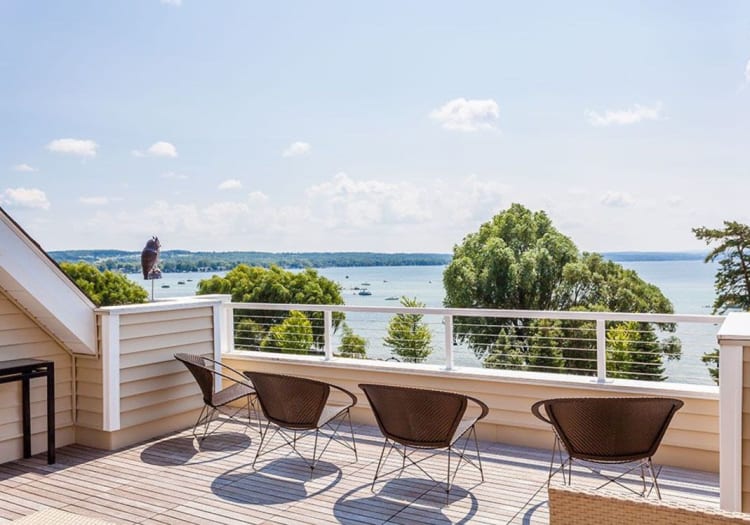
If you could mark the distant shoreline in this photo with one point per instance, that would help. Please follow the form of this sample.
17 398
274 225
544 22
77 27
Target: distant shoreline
181 261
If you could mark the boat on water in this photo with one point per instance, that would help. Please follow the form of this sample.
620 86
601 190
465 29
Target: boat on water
365 284
180 282
391 298
165 286
365 291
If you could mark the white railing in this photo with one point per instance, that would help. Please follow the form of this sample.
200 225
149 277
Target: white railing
583 332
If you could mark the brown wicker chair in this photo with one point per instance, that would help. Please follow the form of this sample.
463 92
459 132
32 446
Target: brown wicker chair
424 419
608 430
205 371
300 405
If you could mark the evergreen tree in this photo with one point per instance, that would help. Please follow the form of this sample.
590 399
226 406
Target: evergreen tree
352 345
293 336
408 337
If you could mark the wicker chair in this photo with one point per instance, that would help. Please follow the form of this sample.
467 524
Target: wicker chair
585 507
424 419
205 370
608 430
300 405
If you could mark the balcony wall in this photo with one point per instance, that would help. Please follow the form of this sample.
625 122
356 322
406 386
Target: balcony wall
20 338
692 440
138 390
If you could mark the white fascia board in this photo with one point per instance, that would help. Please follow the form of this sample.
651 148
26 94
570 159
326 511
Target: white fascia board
37 284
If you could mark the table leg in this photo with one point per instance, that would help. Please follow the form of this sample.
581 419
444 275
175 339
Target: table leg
26 409
51 413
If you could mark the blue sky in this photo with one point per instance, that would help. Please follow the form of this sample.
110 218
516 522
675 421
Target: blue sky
388 126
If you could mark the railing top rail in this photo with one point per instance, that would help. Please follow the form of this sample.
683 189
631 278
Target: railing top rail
486 312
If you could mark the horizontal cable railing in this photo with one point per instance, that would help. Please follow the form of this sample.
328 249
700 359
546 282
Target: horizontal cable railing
604 345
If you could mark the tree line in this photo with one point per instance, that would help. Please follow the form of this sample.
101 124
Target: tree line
179 261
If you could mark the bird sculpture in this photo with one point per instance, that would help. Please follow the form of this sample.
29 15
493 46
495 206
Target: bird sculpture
150 258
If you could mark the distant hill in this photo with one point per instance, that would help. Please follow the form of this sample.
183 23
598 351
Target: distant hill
654 256
187 261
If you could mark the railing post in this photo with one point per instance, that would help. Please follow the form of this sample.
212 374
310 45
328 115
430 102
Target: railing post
601 350
327 325
110 371
734 338
448 323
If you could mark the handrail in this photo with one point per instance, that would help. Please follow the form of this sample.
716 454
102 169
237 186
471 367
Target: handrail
448 316
487 312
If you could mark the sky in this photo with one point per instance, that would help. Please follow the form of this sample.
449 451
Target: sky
385 126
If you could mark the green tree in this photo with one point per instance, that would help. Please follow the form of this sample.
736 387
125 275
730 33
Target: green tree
732 283
408 336
104 288
732 251
248 334
519 261
293 336
248 284
352 345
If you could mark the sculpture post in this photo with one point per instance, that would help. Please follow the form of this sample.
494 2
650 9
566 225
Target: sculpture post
149 262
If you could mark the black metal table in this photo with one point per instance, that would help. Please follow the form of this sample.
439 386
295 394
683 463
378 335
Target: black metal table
24 370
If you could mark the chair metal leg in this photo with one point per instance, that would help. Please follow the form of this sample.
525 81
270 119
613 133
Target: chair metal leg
380 463
653 478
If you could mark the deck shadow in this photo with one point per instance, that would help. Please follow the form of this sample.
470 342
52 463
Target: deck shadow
183 449
284 480
405 500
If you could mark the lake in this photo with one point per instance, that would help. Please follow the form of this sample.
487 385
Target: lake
688 284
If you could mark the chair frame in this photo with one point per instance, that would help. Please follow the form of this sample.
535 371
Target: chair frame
406 448
644 463
210 409
292 433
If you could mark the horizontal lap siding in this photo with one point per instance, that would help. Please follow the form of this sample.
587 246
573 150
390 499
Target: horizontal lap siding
21 337
153 385
691 441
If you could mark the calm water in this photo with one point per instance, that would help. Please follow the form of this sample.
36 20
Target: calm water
688 284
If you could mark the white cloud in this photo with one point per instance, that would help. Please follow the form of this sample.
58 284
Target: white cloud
467 115
94 201
623 117
78 147
25 198
175 3
173 175
25 168
617 199
296 149
230 184
157 149
340 213
674 201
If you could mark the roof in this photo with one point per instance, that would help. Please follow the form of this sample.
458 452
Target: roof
35 282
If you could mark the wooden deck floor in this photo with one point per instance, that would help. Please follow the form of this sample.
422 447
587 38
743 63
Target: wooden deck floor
170 480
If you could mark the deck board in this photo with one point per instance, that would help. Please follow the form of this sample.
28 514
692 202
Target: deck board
171 481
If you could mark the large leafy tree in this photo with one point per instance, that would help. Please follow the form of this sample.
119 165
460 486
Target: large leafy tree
731 248
519 261
248 284
104 288
408 336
